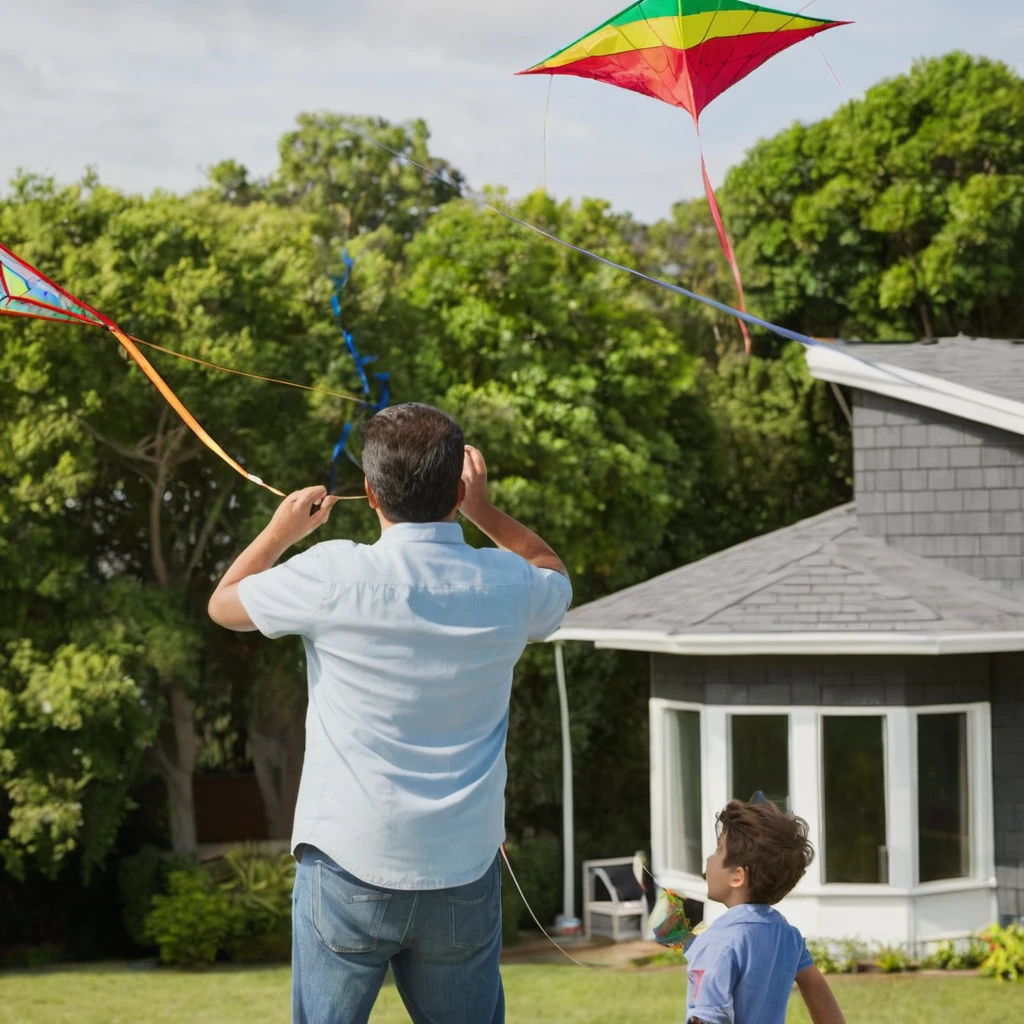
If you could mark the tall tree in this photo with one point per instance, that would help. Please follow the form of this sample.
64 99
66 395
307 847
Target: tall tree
226 283
899 217
351 186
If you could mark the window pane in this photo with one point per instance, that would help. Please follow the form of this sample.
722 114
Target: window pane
760 757
943 819
684 813
854 798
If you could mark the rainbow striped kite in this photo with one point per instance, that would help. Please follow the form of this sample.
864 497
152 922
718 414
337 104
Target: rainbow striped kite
685 52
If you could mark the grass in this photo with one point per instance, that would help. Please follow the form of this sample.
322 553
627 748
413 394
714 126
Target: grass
536 994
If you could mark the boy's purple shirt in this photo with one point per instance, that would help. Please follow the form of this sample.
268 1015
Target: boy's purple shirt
742 969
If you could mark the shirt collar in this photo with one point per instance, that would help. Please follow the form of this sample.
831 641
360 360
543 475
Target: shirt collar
423 533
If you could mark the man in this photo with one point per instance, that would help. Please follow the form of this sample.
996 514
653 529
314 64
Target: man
410 645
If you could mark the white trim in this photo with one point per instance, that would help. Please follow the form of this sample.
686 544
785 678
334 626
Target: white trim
844 890
839 367
857 711
732 644
660 710
805 787
806 733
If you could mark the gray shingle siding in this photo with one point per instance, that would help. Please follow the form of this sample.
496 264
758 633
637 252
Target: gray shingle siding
838 680
941 488
1008 780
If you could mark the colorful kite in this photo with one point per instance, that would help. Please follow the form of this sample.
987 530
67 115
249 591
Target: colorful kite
685 52
669 923
25 292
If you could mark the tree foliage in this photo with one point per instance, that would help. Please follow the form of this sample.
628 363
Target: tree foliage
899 217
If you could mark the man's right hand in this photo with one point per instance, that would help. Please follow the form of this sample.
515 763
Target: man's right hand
474 476
502 529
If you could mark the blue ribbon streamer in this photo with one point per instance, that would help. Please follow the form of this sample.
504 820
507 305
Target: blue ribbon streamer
382 381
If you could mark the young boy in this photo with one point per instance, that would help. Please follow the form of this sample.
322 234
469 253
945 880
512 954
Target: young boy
741 970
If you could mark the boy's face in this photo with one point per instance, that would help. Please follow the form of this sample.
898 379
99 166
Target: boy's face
725 885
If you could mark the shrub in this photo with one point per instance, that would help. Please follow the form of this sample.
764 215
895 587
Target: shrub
260 891
1005 959
194 921
140 877
537 863
853 952
895 959
823 957
950 956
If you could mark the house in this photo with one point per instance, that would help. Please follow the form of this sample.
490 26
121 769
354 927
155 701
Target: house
864 667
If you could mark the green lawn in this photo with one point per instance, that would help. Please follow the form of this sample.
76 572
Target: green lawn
537 994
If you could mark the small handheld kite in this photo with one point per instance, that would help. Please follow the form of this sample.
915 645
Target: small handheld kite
370 403
666 909
686 53
669 922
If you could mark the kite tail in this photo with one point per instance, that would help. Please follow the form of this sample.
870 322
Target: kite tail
723 239
176 404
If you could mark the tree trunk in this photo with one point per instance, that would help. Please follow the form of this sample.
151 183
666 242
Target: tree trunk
176 758
277 757
926 322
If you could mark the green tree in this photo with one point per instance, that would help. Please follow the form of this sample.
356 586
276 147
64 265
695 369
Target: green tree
155 514
899 217
351 186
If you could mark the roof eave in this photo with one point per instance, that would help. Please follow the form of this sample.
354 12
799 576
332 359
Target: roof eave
838 367
737 644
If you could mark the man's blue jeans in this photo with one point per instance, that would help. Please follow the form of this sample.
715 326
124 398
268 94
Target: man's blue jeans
443 947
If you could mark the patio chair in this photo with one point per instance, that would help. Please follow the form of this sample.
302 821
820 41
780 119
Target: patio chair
613 902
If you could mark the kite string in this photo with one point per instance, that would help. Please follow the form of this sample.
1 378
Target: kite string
484 202
828 65
243 373
526 903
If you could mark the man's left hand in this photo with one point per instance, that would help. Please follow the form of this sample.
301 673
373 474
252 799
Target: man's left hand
294 519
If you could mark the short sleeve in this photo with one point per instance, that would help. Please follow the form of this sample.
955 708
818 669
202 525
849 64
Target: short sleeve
286 600
709 995
550 597
806 960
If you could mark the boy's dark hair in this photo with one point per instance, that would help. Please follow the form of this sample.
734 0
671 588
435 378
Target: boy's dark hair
770 844
413 456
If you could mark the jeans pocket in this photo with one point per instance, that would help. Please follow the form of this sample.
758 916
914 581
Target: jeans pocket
475 911
346 916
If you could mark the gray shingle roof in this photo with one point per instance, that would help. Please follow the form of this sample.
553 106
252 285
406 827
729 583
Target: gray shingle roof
985 364
820 575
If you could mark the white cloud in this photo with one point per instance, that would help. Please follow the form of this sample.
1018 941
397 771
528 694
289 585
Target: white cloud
153 92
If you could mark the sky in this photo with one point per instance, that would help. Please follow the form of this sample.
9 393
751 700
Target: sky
152 93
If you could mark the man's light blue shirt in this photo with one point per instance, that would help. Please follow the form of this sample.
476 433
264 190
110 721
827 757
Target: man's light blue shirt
410 646
742 969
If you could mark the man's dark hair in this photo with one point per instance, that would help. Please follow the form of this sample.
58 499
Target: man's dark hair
413 456
769 843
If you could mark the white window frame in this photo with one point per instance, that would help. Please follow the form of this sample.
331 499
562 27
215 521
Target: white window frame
805 784
894 799
739 711
979 783
661 712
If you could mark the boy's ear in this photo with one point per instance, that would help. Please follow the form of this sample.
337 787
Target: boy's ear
737 877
